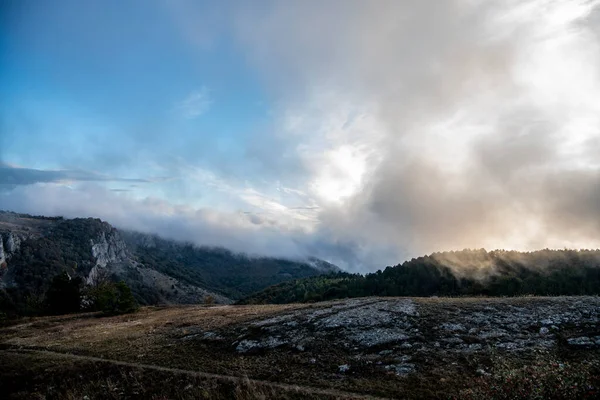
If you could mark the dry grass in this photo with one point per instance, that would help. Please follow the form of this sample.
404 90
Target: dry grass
41 377
95 335
165 337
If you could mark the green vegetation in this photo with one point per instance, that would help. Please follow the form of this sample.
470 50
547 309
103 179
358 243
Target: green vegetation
461 273
53 246
111 298
66 247
64 295
216 269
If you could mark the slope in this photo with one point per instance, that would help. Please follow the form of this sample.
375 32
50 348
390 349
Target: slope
33 249
456 273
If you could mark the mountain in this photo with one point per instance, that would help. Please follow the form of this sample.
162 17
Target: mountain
33 249
456 273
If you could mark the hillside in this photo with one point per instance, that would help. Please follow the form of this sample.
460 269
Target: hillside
457 273
368 348
159 271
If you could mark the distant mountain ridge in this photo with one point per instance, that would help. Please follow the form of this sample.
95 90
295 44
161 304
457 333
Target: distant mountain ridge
454 273
159 271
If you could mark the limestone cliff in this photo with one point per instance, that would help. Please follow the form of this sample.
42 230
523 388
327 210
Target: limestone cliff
107 248
9 244
34 249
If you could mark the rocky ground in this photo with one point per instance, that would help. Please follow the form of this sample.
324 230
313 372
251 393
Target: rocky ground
380 347
404 326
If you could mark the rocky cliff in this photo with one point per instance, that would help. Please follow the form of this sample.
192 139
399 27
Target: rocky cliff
10 244
108 249
159 271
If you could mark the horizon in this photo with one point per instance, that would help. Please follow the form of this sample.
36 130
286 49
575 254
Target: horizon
360 133
444 261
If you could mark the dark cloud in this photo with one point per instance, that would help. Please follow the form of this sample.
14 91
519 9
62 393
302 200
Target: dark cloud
14 176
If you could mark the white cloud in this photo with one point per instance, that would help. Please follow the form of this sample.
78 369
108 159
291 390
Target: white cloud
399 128
195 104
428 125
204 226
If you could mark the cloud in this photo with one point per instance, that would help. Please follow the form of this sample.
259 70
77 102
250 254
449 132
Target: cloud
433 126
195 104
250 233
12 175
396 129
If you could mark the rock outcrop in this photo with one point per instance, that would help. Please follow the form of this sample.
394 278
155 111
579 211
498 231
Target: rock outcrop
9 244
107 248
158 270
393 334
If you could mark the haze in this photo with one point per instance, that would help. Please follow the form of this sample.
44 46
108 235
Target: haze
360 132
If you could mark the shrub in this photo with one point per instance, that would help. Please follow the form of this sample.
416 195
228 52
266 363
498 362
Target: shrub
64 294
111 298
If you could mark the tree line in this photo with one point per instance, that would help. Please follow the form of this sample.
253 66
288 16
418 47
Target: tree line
457 273
66 295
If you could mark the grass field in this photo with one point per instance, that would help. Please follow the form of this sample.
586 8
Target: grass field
360 348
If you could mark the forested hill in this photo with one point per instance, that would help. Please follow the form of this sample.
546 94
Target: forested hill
456 273
34 249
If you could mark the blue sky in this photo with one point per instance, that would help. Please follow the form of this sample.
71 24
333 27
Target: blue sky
89 87
360 132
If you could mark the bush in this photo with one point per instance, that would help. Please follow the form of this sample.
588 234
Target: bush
64 294
111 298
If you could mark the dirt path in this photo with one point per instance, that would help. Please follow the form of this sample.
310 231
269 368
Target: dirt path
205 375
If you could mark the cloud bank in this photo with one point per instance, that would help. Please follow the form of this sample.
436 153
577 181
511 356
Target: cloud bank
14 176
397 129
476 124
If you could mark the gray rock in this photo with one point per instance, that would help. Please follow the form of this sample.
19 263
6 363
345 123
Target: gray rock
343 368
582 341
454 340
453 327
492 334
370 314
10 243
507 345
107 248
269 343
375 337
401 369
212 336
246 345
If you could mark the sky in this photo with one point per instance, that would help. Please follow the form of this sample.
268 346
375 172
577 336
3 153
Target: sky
361 132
